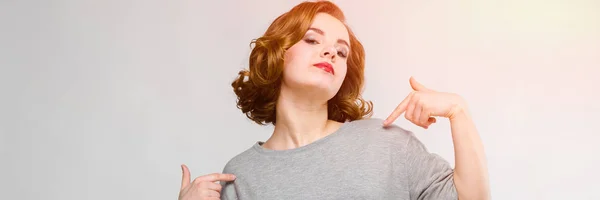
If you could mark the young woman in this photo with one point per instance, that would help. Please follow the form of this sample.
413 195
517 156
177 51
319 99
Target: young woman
305 77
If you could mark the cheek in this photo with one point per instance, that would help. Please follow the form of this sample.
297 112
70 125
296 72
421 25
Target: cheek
288 57
295 59
343 71
296 53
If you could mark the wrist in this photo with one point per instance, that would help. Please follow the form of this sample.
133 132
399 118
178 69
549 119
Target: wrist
459 112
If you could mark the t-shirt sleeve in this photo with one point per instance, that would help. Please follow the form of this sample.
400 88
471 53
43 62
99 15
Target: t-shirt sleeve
429 175
228 191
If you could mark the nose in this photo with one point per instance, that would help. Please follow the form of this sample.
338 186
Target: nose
329 52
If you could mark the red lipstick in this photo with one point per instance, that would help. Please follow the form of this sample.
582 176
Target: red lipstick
325 66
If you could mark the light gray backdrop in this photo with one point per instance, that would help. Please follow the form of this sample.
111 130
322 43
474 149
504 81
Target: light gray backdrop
105 99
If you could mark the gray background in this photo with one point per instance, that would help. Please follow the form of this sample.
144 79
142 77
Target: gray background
105 99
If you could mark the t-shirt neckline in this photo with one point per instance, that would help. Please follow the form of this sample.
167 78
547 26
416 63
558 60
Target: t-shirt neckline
262 150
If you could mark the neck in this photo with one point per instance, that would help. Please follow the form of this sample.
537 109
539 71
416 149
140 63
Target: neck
299 122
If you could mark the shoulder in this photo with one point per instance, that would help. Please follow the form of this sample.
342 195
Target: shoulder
239 161
373 128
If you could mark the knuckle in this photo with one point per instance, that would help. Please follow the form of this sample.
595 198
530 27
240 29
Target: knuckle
224 176
220 177
213 176
204 193
419 101
196 181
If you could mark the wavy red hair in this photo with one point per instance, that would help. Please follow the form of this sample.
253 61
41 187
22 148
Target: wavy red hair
257 88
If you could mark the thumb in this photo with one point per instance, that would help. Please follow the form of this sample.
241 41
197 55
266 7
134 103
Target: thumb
416 85
185 179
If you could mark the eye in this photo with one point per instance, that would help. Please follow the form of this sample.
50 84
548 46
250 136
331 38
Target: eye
311 41
342 53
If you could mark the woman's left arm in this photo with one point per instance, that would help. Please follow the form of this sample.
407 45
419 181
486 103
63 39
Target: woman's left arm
470 172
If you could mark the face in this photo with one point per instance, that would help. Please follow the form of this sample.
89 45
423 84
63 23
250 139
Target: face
317 63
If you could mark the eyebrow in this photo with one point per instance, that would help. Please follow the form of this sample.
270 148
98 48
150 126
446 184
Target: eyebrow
339 41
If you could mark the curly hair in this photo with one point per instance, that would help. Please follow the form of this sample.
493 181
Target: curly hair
258 88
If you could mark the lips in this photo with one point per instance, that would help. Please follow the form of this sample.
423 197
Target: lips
325 66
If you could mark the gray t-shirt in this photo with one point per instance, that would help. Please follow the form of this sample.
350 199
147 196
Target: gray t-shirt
361 160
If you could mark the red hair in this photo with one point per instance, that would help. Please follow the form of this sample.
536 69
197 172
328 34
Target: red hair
257 89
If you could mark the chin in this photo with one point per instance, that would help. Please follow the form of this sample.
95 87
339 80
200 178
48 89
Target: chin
315 84
322 83
324 90
317 88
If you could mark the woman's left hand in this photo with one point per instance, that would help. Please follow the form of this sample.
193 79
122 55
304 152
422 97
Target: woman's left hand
423 104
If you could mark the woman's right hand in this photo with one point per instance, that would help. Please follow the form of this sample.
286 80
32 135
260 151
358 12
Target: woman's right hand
203 187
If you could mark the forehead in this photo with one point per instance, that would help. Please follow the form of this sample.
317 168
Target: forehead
332 27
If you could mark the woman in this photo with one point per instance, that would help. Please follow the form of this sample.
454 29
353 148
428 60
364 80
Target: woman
305 77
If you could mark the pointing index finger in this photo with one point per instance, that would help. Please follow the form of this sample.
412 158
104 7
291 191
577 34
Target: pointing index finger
217 177
398 111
